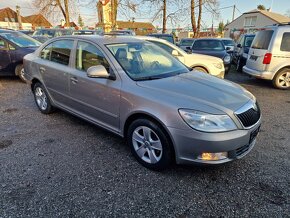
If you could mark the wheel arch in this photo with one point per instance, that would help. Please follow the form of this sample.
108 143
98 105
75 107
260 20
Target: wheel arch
201 66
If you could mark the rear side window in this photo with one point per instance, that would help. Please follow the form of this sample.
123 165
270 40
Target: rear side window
88 55
285 44
60 51
262 39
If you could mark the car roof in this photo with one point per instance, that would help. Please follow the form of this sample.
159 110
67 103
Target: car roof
7 30
208 39
188 38
226 39
106 39
159 34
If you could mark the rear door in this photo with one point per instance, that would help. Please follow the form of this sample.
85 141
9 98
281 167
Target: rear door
54 66
5 60
259 47
97 99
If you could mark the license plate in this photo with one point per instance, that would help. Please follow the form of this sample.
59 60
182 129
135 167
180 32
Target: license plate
254 134
253 57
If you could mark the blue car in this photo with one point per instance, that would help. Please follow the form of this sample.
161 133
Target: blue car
13 47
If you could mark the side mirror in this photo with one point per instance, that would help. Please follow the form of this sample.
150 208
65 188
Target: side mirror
175 53
239 45
98 71
228 48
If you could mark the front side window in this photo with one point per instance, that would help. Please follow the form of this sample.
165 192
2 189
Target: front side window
208 45
285 44
228 42
146 61
165 47
88 55
20 39
60 51
46 52
186 42
262 39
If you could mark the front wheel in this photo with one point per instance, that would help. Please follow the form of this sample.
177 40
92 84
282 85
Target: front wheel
149 144
282 79
42 99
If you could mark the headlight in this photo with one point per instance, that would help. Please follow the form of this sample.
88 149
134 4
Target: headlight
207 122
218 65
227 59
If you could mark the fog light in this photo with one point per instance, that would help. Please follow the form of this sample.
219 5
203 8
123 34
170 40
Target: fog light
213 156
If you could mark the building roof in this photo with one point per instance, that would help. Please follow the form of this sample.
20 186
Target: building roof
279 18
135 25
11 15
38 20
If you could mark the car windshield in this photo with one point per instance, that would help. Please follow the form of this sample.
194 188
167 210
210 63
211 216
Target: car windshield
146 61
208 45
20 39
249 40
47 33
228 42
186 42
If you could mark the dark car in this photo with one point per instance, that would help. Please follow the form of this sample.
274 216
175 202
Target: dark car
213 47
229 44
13 47
42 35
240 54
186 43
167 37
122 32
27 32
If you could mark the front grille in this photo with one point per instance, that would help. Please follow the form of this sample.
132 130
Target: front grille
250 117
242 150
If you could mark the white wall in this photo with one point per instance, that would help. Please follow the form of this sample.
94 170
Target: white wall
15 25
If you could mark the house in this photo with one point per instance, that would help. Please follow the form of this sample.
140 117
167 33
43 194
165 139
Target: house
9 19
210 33
38 20
140 28
253 21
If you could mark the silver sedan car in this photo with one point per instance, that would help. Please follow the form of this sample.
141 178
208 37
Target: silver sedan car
137 90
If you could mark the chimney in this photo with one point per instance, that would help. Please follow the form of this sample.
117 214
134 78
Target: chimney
18 17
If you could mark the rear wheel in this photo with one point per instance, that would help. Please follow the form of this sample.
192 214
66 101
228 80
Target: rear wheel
149 144
19 71
282 79
42 99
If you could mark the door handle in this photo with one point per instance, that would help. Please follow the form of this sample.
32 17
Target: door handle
74 80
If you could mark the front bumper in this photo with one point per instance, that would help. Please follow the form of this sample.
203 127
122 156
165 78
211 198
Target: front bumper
258 74
190 144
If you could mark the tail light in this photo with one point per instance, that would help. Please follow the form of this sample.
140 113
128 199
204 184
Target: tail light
267 58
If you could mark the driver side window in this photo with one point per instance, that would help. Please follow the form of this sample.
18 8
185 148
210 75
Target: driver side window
3 44
88 55
165 47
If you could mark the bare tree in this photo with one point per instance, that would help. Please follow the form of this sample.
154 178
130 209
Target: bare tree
192 13
200 2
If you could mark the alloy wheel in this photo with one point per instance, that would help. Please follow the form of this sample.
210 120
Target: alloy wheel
41 98
284 80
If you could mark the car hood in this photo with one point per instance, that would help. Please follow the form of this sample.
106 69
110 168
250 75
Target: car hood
219 54
195 90
206 58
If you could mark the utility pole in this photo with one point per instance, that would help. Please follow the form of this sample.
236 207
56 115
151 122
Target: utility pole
66 13
234 10
19 17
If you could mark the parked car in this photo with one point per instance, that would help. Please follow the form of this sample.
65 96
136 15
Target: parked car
202 63
138 91
269 56
213 47
42 35
185 44
13 47
27 32
87 32
229 44
167 37
123 32
241 50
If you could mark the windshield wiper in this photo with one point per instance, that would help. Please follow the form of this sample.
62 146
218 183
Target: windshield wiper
149 78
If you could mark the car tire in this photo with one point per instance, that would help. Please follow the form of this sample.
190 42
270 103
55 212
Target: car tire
150 144
282 79
200 69
42 99
19 71
239 65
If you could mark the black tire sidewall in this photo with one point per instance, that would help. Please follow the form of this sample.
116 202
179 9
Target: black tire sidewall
167 154
49 108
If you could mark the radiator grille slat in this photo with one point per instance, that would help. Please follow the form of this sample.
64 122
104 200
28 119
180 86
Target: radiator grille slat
250 117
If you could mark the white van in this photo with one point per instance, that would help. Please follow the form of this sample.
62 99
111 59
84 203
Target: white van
269 55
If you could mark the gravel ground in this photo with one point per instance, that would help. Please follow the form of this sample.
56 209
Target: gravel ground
61 166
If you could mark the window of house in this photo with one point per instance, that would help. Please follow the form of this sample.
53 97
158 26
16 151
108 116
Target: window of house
250 21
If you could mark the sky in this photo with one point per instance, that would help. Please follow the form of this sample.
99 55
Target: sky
89 13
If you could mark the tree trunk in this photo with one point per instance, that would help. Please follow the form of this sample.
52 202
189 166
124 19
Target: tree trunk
164 16
199 17
61 8
193 22
66 13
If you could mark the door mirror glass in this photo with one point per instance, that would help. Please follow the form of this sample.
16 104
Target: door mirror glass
175 53
98 71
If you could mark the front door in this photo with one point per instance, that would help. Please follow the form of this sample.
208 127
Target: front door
5 61
97 99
